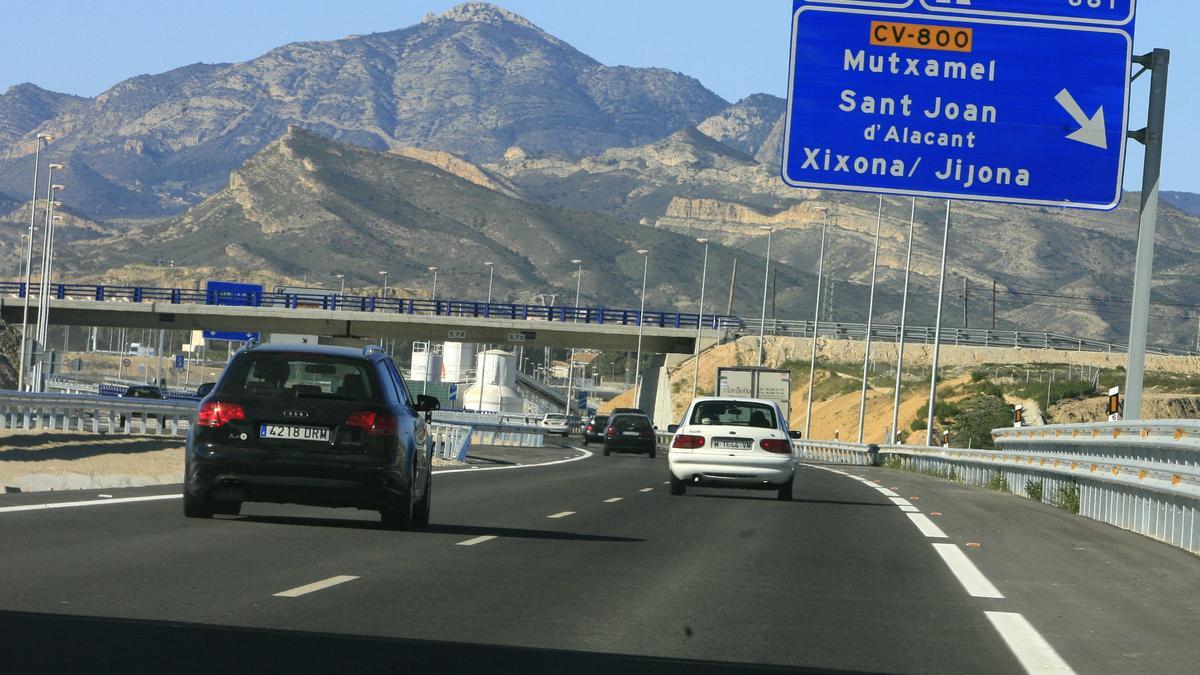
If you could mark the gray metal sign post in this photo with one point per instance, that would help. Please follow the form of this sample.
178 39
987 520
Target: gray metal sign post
1157 62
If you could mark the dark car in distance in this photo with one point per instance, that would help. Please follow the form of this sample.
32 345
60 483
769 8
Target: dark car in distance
630 432
593 429
143 391
315 425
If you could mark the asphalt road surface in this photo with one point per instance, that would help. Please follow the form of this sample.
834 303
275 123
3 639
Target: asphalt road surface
590 566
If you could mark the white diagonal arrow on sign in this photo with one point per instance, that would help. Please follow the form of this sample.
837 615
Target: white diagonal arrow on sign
1091 130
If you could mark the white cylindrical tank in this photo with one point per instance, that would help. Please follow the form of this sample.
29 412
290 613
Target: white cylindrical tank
426 364
496 378
456 361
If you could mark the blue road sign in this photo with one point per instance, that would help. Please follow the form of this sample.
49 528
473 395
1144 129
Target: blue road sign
179 362
453 394
926 100
235 294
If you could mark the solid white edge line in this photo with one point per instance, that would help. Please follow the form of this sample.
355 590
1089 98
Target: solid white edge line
926 526
477 540
886 492
1027 644
585 454
909 508
613 500
315 586
89 502
966 572
900 501
561 514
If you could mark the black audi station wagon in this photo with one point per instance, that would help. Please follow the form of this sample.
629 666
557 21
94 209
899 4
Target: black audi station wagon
315 425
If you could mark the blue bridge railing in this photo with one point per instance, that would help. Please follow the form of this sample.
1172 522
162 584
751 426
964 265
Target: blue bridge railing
361 303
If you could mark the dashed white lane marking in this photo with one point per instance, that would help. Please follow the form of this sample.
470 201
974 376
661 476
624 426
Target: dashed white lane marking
585 454
926 526
900 501
476 540
613 500
966 572
89 502
646 490
886 492
1028 645
315 586
561 514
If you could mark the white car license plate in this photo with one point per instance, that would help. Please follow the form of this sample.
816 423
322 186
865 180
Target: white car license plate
291 433
629 433
732 443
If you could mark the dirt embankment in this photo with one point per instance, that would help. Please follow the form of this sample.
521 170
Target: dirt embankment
34 461
1154 406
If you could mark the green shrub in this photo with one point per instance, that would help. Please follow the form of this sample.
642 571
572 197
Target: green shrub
1067 497
1033 488
976 417
978 375
998 482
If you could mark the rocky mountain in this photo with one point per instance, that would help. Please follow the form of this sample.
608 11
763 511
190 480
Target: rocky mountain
305 208
1056 270
746 125
475 81
1188 202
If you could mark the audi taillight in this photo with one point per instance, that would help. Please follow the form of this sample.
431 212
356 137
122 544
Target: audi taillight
611 432
216 413
374 423
776 445
688 442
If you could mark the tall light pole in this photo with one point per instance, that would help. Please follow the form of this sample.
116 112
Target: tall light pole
862 401
637 364
812 359
700 321
491 275
912 220
571 358
762 327
37 156
433 293
937 332
342 279
383 290
44 285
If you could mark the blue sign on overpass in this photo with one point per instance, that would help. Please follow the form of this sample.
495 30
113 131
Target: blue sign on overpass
1019 101
237 295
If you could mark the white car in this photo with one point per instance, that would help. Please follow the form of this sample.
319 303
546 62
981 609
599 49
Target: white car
555 423
734 443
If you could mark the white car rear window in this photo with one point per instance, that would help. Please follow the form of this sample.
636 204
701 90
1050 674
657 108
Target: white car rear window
734 414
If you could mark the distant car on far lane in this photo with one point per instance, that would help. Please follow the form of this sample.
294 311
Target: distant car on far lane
555 423
205 389
593 430
629 432
732 443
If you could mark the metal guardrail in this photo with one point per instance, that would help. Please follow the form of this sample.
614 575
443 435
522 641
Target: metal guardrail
972 337
108 414
362 303
1139 476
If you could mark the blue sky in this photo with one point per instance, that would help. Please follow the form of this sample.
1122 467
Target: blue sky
735 47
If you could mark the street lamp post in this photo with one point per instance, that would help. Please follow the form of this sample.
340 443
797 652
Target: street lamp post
637 365
383 291
44 284
37 156
491 275
342 279
812 359
571 358
762 327
433 293
700 321
862 402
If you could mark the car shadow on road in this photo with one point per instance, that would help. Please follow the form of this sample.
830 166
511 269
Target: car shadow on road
466 531
57 643
769 496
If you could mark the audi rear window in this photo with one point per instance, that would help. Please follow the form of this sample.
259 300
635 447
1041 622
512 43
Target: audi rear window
636 422
283 375
734 414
